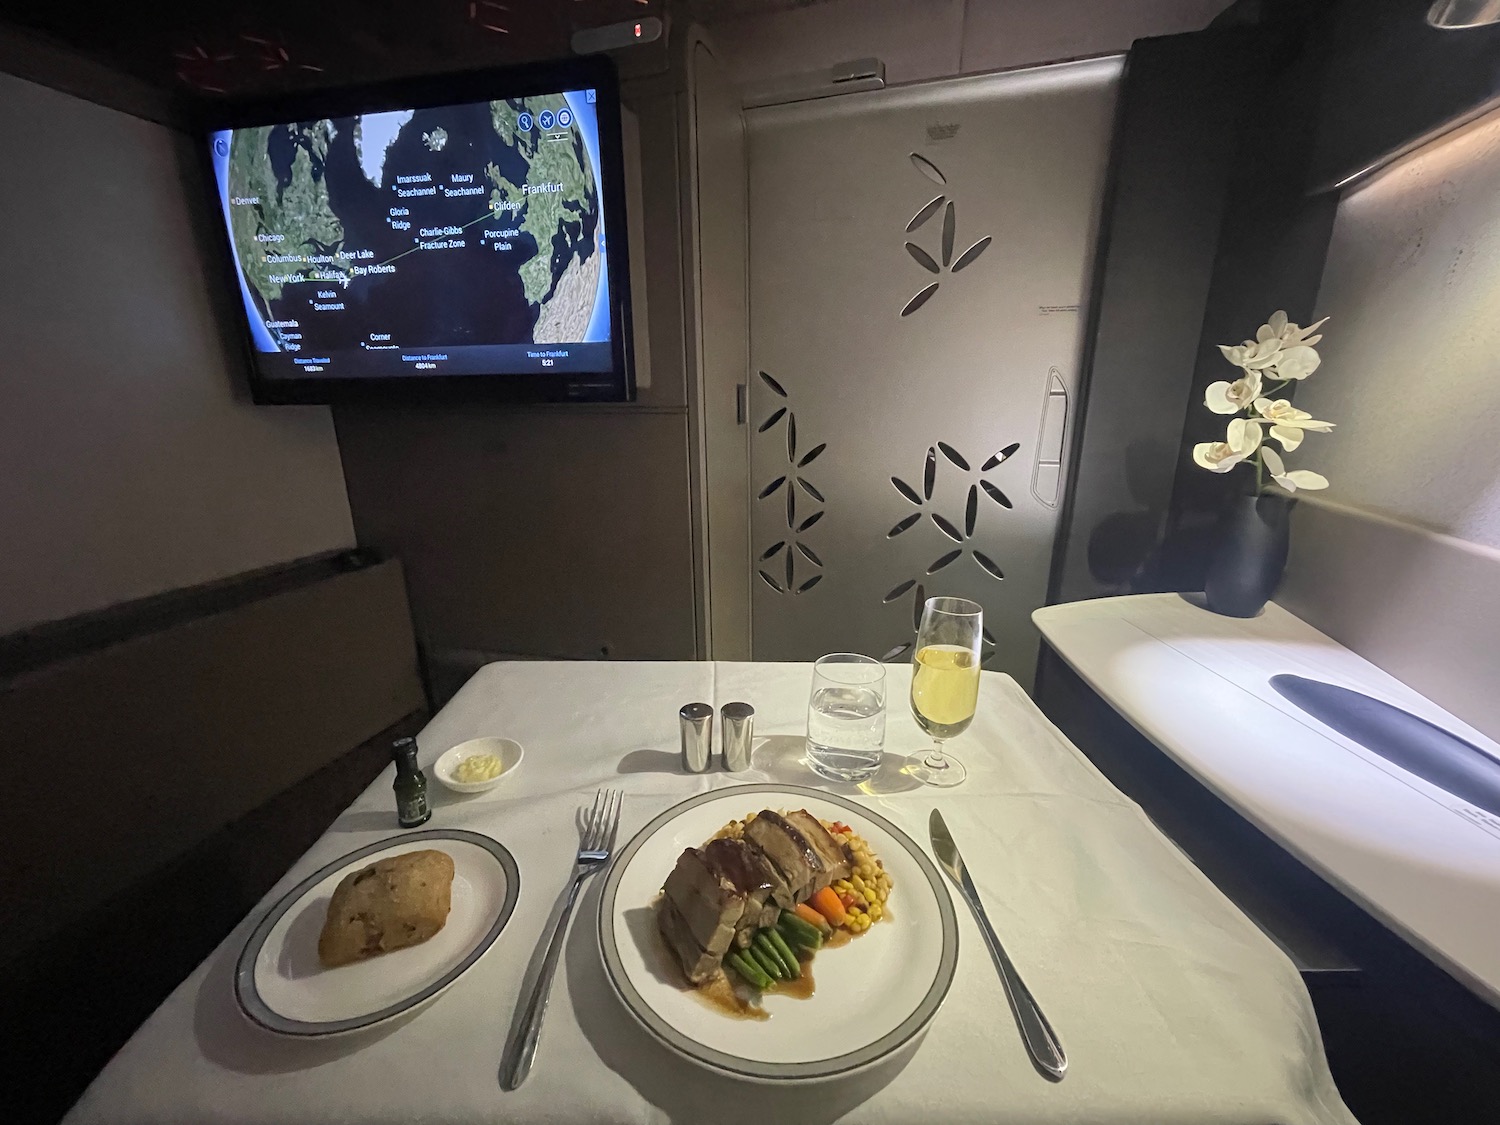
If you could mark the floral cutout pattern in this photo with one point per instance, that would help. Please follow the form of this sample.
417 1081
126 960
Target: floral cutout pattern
790 565
947 239
981 495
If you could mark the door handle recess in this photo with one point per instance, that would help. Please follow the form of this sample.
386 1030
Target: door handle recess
1046 474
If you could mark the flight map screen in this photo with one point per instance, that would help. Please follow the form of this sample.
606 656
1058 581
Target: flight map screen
453 240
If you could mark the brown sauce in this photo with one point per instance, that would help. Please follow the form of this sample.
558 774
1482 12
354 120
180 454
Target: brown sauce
802 988
737 1001
723 997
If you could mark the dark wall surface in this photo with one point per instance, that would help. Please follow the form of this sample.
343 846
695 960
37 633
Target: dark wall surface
1392 81
1217 142
530 532
1219 214
1270 256
1175 146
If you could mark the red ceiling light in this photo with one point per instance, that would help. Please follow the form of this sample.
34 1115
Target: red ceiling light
271 54
204 69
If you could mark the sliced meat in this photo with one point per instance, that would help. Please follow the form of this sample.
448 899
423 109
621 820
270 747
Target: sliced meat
783 894
780 893
786 847
739 864
745 866
698 964
758 919
836 863
708 903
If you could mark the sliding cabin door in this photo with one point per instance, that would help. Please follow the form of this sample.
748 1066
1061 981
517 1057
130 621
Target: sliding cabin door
919 259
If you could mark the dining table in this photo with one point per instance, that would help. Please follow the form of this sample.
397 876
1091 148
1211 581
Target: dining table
1171 1004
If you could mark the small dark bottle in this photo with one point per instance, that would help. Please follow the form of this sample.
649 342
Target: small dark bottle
412 808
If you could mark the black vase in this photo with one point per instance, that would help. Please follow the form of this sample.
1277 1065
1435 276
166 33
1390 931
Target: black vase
1248 561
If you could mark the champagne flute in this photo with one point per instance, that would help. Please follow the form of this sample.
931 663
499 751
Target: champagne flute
945 683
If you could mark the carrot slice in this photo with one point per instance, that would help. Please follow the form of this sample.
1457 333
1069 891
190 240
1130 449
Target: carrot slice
812 917
827 903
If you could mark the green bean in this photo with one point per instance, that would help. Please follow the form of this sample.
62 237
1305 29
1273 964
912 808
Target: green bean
806 933
763 946
769 965
795 939
788 958
797 923
750 971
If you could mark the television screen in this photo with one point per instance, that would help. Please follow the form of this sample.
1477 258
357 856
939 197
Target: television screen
470 243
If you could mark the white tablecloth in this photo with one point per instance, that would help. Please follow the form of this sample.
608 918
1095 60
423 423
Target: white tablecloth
1172 1006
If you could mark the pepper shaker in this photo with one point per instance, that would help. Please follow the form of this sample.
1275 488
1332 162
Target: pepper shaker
696 722
738 721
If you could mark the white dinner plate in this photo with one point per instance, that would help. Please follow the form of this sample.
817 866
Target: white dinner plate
282 985
872 996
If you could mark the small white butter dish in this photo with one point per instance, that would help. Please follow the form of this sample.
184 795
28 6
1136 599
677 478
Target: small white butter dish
508 750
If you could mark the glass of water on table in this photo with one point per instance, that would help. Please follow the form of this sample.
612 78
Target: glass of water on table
846 717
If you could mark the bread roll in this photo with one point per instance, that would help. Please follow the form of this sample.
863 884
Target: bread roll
394 903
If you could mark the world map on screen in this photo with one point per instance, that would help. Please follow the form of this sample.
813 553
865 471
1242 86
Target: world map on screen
475 224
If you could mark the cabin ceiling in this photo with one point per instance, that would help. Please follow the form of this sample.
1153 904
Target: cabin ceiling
240 48
708 11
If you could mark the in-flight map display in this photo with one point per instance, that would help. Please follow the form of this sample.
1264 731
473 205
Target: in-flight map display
453 240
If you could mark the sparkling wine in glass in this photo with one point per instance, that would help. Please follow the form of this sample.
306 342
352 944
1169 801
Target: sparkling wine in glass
945 683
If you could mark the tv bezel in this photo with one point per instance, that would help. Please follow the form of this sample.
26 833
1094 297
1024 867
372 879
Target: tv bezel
595 72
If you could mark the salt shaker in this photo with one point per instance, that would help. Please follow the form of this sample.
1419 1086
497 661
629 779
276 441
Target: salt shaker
738 721
696 721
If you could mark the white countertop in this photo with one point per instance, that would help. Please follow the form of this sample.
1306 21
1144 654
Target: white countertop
1171 1004
1197 685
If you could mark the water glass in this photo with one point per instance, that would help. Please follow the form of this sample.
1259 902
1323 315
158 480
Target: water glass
846 717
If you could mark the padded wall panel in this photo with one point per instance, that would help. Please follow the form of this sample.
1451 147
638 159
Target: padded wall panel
129 755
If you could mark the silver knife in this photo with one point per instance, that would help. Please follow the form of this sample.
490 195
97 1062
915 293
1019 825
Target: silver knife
1041 1041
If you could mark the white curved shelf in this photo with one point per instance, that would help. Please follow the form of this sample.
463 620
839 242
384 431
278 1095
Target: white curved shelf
1197 685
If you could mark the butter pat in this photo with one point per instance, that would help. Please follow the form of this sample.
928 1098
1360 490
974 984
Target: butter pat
479 767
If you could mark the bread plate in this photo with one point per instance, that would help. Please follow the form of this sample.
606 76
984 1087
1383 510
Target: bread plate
281 985
873 996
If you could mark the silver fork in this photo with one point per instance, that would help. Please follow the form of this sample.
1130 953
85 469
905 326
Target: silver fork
593 853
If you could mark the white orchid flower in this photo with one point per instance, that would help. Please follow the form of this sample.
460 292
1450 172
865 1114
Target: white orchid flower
1289 436
1230 398
1274 326
1288 423
1292 336
1296 362
1304 479
1253 355
1243 438
1288 332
